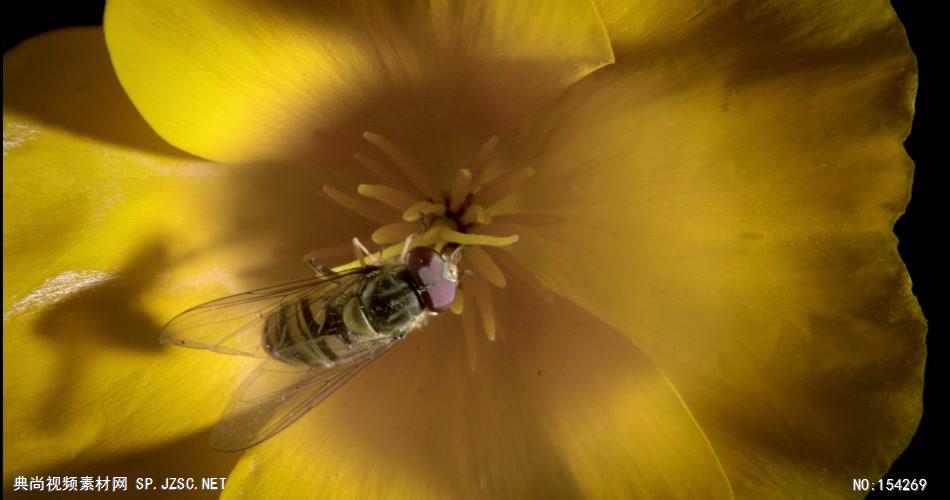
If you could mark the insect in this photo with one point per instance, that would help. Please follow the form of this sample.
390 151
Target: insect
314 334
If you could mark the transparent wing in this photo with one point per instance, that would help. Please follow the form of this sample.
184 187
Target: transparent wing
234 325
276 394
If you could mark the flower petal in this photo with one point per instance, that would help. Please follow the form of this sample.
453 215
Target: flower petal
240 80
729 199
92 233
710 28
64 191
103 242
562 407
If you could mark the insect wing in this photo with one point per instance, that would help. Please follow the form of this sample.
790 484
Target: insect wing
235 324
276 394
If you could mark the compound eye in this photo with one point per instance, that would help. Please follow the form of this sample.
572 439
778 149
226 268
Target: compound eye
429 270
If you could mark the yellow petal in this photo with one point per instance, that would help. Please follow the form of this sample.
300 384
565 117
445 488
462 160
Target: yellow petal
103 242
728 202
647 29
564 406
242 80
93 238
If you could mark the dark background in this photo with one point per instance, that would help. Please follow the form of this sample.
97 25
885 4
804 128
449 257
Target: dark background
918 230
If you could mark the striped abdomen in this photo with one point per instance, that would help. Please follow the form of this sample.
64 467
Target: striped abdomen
307 333
320 333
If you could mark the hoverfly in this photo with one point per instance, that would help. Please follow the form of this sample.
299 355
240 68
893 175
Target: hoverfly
313 334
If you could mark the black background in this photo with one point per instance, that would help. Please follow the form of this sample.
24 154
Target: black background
918 230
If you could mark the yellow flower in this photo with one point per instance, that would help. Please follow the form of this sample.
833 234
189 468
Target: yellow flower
705 298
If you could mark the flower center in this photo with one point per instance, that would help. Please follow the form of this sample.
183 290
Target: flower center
408 202
456 217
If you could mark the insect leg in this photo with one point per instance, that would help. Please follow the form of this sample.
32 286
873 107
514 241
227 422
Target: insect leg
456 255
318 268
405 248
362 252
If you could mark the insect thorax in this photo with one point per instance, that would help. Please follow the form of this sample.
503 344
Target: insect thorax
389 301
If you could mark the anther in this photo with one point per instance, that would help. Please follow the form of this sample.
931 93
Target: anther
412 170
481 159
460 189
424 207
388 175
500 187
389 196
474 214
368 209
485 265
395 232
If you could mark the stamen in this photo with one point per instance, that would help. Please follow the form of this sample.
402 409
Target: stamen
429 238
483 263
501 186
395 232
389 196
455 219
495 229
368 209
525 219
420 208
385 173
486 307
481 160
412 170
449 236
475 214
460 189
471 336
458 305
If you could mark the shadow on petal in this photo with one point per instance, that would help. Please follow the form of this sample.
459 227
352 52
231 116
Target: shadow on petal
772 41
561 406
107 315
186 457
277 214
